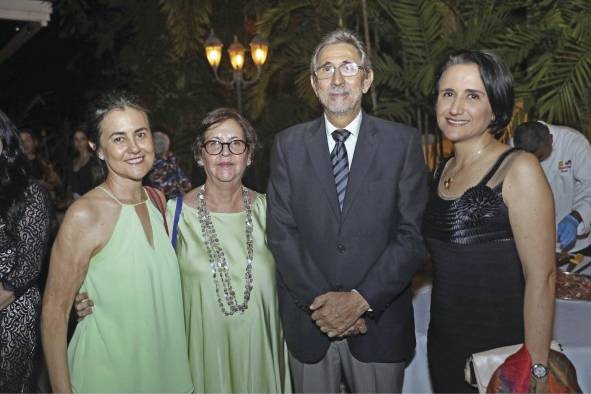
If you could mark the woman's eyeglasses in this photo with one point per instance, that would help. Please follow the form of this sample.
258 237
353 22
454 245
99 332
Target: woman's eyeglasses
215 147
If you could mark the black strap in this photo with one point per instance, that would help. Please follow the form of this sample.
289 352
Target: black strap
496 166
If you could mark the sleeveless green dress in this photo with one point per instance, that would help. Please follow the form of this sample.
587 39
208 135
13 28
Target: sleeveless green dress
242 353
134 341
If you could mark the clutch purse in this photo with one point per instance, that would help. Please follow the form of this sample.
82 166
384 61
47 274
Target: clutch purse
480 367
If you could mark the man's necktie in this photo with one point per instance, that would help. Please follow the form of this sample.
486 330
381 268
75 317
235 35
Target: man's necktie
340 163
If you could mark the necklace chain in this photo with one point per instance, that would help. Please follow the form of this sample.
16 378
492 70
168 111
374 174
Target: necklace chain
450 179
217 259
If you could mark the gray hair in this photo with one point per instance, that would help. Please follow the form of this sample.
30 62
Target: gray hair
161 143
337 37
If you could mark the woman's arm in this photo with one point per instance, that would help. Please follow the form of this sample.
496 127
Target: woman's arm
531 212
70 256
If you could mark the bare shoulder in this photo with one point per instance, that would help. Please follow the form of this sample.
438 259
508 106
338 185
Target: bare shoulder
524 166
92 216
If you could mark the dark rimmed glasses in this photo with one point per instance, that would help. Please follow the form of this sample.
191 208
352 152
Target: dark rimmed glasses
215 147
347 69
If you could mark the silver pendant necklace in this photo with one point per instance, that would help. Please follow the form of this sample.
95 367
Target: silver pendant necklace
217 259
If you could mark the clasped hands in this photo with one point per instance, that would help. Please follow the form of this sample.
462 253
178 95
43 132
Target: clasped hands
338 314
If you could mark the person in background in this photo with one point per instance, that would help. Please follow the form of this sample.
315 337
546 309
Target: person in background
85 171
166 174
565 156
489 227
24 236
113 245
41 169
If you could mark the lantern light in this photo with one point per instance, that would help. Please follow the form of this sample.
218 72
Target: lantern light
258 50
213 50
236 52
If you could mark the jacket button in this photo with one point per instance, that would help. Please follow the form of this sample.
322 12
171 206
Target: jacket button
341 248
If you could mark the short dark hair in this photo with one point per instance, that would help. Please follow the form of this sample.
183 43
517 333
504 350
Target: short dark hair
496 78
107 102
14 168
217 116
530 136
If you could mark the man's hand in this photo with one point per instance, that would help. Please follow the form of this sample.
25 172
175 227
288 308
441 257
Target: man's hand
359 328
336 312
567 230
83 305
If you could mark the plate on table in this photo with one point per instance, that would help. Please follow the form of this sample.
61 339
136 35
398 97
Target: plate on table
573 286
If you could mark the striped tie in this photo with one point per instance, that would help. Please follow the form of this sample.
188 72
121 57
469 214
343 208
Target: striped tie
340 163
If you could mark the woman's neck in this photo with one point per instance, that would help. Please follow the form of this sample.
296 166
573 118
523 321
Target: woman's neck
127 191
464 151
224 197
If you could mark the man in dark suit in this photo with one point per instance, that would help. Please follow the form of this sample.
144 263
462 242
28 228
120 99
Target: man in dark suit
345 201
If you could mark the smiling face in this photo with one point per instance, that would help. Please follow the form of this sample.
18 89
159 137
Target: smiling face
463 109
226 166
126 144
341 95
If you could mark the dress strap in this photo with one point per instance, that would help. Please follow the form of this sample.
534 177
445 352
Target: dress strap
108 193
496 166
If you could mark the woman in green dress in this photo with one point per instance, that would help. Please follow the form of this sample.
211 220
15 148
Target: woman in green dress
234 334
227 271
113 245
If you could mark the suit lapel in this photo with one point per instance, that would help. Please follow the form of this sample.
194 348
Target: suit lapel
362 159
320 157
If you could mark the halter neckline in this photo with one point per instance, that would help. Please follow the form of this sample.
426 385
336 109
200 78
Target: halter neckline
104 189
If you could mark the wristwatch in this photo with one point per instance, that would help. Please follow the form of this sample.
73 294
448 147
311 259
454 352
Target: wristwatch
539 371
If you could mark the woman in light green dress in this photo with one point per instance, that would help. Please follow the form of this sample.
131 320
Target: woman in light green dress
114 246
235 339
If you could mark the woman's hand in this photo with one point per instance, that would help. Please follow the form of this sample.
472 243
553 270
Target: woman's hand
83 305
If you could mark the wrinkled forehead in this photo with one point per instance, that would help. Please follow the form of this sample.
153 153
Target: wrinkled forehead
338 53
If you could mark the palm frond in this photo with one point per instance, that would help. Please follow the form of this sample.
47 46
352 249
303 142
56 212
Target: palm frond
188 23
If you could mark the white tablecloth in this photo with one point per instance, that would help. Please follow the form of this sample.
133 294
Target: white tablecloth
572 329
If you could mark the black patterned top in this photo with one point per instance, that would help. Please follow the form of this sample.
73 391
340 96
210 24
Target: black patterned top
477 216
24 239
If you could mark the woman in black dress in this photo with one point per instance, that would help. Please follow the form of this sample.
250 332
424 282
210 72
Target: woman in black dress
489 226
85 171
24 234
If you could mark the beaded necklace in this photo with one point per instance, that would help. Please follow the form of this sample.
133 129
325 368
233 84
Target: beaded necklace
217 259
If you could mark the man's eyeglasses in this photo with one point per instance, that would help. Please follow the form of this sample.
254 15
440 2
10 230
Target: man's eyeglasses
347 69
215 147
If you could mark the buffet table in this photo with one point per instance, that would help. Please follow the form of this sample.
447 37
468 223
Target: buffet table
572 329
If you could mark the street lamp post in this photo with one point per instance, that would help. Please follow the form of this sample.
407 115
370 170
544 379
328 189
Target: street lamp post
258 51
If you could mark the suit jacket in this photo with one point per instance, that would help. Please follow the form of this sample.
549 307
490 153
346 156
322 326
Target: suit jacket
373 246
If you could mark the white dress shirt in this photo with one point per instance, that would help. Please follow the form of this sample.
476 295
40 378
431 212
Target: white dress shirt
353 128
568 169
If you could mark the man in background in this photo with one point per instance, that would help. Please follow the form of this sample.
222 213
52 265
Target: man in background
565 156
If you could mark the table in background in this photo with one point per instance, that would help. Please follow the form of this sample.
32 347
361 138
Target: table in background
572 329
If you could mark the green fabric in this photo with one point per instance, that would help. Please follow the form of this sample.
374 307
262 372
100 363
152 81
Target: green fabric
240 353
134 341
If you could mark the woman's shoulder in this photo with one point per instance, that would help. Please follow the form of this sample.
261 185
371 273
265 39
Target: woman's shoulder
259 200
523 163
89 208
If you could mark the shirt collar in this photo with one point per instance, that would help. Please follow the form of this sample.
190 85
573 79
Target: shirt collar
352 127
